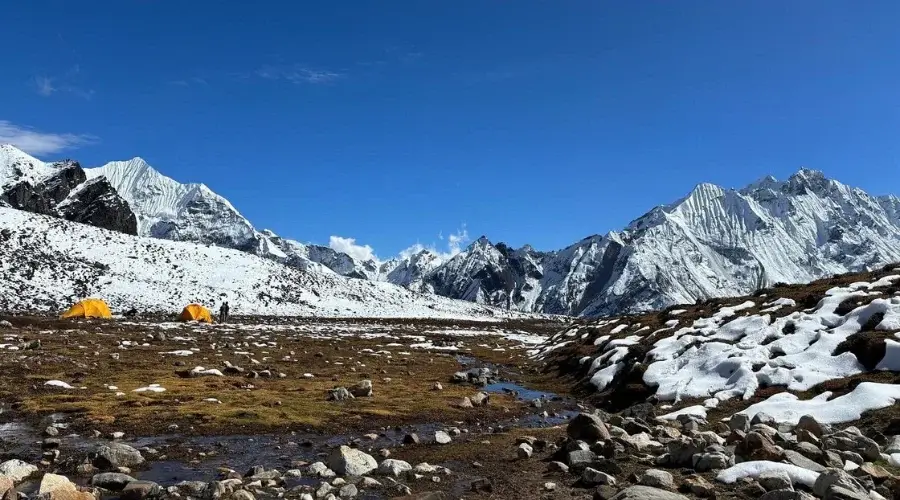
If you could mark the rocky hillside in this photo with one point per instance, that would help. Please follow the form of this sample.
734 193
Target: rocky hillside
63 190
47 263
715 242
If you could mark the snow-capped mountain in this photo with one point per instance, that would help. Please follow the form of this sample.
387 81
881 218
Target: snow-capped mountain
61 189
714 242
172 210
46 263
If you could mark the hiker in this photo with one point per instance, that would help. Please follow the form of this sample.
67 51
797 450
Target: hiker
223 313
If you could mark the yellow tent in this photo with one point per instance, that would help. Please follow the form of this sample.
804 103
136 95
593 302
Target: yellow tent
88 308
195 312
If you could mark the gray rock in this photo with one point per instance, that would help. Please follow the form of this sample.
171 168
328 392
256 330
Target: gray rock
368 483
351 462
363 389
837 492
115 455
681 451
579 459
792 457
847 440
588 427
699 486
51 431
524 451
775 480
739 422
836 477
647 493
656 478
348 491
112 481
557 467
339 394
395 468
594 477
319 469
5 324
810 424
480 399
411 439
17 470
139 490
441 437
786 495
704 462
762 418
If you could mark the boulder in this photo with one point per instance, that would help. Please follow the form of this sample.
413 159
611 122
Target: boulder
739 422
836 477
758 446
704 462
588 427
115 455
480 399
647 493
351 462
441 437
363 389
809 424
394 468
775 480
792 457
339 394
140 490
112 481
699 486
786 495
524 451
17 470
593 477
657 479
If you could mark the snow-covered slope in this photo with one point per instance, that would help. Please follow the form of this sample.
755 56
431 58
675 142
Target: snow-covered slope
714 242
47 263
18 166
171 210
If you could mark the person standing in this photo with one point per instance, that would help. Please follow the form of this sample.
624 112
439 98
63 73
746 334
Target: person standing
223 312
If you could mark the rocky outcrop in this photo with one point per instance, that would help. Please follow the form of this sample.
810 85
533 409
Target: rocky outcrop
97 203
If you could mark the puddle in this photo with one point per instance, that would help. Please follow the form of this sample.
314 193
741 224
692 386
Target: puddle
521 392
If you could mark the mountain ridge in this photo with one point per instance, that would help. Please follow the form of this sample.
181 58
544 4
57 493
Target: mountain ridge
712 242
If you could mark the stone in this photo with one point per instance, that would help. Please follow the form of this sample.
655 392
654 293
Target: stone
465 402
369 483
139 490
656 478
809 424
51 431
549 486
412 438
116 455
17 470
588 427
875 471
775 480
836 477
792 457
837 492
7 488
681 451
704 462
758 446
605 492
5 324
348 491
699 486
112 481
437 386
557 467
579 459
524 451
592 477
847 440
739 422
480 399
351 462
785 495
762 418
395 468
54 482
363 389
339 394
441 437
647 493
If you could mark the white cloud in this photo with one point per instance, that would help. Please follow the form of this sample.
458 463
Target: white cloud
40 143
297 74
44 85
47 86
455 243
349 247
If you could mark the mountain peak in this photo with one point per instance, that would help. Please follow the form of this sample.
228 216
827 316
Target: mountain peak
807 179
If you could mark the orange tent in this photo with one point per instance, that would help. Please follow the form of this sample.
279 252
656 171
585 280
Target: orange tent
195 312
88 308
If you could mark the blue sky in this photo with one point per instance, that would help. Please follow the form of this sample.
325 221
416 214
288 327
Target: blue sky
393 122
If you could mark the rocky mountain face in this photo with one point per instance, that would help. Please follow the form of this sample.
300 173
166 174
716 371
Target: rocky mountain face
168 209
62 190
713 242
